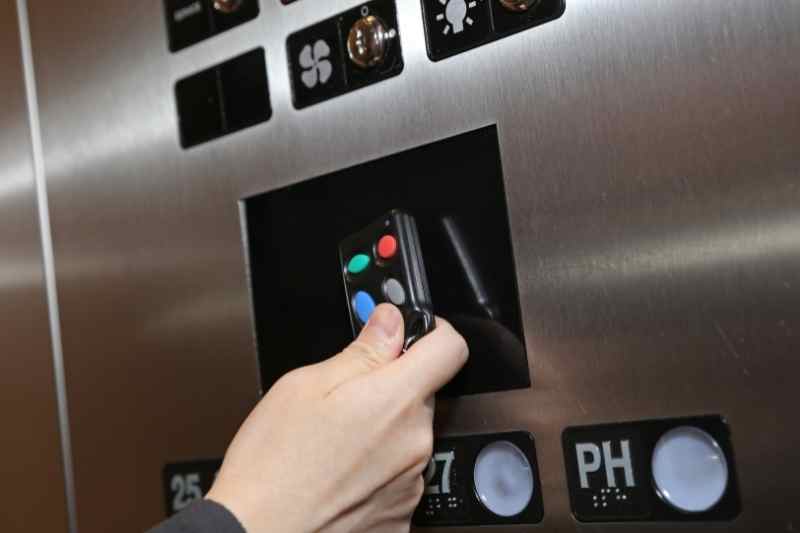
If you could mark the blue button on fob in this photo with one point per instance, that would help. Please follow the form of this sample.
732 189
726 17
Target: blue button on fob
364 306
383 263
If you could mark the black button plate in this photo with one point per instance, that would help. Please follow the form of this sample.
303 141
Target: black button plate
623 491
454 26
318 62
192 21
450 496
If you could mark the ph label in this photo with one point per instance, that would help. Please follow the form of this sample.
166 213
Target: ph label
591 460
606 473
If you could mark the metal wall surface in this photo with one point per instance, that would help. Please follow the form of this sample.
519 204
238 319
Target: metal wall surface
652 164
32 492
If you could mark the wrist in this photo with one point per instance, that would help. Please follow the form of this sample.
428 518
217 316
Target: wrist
255 515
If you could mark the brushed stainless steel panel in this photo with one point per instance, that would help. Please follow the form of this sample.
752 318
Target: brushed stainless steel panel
652 163
32 493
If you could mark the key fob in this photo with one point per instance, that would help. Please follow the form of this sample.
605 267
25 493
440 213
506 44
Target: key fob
383 263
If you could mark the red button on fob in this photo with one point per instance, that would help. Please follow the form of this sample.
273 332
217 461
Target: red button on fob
387 247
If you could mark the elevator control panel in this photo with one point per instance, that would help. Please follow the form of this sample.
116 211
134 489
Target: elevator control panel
383 263
343 53
223 99
482 480
679 470
192 21
454 26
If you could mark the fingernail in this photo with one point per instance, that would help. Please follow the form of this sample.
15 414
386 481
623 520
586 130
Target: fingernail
386 319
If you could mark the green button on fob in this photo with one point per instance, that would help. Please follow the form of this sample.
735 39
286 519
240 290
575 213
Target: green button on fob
358 264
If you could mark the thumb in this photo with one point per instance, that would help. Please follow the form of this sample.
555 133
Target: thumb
380 342
431 363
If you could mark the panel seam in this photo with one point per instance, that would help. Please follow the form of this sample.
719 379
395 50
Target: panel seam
46 237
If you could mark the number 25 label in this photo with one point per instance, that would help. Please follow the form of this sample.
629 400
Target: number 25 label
186 489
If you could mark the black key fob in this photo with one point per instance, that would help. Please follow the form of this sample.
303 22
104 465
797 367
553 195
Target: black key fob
383 263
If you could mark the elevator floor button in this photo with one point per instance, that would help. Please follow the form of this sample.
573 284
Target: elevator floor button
503 479
690 470
387 247
364 306
358 264
394 291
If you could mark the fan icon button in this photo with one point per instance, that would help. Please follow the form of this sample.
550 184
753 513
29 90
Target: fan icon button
314 60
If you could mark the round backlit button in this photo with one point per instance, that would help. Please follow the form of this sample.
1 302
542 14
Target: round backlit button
358 264
364 306
387 247
503 479
689 469
394 291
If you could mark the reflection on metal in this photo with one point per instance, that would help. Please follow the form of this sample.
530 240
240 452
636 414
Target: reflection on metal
49 267
458 242
692 251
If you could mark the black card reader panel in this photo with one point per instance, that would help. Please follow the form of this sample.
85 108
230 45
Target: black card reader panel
454 189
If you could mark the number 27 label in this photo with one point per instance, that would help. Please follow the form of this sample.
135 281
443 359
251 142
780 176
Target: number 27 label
446 460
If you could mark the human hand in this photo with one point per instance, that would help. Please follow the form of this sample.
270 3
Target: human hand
341 446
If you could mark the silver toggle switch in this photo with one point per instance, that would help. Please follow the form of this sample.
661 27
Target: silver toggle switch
518 6
368 42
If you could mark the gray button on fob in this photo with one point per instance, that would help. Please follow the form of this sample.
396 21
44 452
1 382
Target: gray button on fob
394 291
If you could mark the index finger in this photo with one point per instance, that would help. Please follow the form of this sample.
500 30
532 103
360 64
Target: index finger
431 362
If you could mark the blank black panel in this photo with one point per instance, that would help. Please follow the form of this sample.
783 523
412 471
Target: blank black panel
245 91
199 108
454 188
223 99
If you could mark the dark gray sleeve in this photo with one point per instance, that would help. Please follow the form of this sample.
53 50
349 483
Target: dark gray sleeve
203 516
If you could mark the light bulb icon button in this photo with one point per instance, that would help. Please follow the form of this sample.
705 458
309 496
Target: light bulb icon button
456 15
